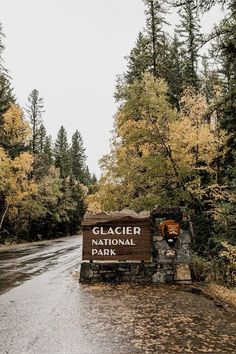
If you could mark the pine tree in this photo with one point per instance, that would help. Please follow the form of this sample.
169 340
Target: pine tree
48 150
94 178
6 94
151 51
42 135
2 47
175 71
189 31
139 59
35 110
77 214
154 28
78 157
43 160
62 153
227 47
209 81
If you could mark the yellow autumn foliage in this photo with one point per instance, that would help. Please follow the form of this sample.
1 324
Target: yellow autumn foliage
157 152
191 138
15 185
15 129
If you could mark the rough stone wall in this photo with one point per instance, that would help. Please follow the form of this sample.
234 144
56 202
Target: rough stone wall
118 272
169 263
173 262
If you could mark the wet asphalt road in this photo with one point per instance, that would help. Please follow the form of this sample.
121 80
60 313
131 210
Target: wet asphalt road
45 310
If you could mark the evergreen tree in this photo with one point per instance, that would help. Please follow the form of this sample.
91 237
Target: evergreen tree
94 178
42 135
6 95
2 47
35 110
175 71
209 81
78 157
189 31
43 160
227 47
139 59
71 206
62 153
154 28
77 214
48 150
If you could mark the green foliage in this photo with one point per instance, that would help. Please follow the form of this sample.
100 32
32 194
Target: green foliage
42 135
2 47
77 152
175 77
227 49
151 51
74 205
42 188
62 153
189 31
219 269
34 111
139 59
6 95
48 149
154 10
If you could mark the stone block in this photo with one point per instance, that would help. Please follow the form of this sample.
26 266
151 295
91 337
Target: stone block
94 266
108 266
135 268
183 256
149 271
158 238
169 278
159 277
123 268
183 274
86 272
186 237
186 246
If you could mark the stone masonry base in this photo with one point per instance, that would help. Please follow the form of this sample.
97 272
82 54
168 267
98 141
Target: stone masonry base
141 273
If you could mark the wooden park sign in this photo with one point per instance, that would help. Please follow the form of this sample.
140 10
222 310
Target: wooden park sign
120 236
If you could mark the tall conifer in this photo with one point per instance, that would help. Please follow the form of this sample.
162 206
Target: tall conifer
78 157
34 110
62 153
189 31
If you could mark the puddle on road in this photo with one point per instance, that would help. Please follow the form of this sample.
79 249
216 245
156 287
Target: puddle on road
154 319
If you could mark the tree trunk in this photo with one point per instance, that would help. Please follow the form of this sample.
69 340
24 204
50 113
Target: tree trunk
3 216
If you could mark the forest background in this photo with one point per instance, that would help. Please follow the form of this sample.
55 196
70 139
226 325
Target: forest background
173 141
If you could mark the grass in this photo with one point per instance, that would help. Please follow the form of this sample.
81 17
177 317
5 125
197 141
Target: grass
219 293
